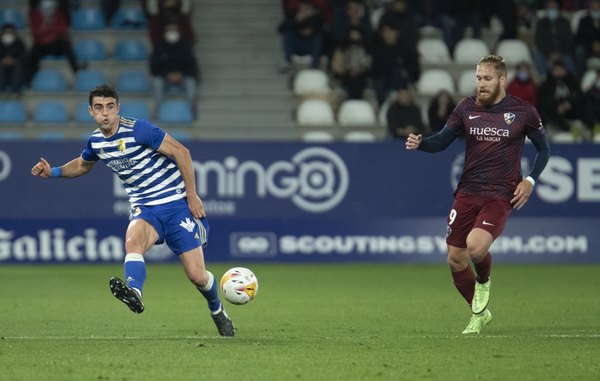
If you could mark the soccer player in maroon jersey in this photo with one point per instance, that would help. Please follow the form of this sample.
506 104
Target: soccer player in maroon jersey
494 125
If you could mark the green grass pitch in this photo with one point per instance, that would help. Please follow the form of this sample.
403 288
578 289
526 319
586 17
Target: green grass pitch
308 322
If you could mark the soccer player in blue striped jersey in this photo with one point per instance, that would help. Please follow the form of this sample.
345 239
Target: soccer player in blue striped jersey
157 174
494 125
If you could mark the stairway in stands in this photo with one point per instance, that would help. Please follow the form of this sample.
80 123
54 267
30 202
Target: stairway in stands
242 95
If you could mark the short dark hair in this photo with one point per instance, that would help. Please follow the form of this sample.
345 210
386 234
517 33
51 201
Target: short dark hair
104 90
496 61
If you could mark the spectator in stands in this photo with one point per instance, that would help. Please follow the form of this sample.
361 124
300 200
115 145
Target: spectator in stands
404 116
467 14
553 39
440 108
587 38
163 12
525 22
523 84
558 98
351 15
12 58
302 33
395 61
398 13
173 65
435 13
50 31
109 8
591 107
351 63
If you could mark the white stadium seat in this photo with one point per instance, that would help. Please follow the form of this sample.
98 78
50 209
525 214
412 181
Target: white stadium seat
360 136
588 79
466 83
315 112
308 82
317 136
468 51
513 51
433 51
433 80
356 112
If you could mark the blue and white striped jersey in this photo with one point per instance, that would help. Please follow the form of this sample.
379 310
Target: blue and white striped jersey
148 176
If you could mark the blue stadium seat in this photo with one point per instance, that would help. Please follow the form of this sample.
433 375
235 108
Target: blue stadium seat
11 135
88 19
135 109
50 112
85 80
131 50
90 50
133 81
49 80
128 18
12 16
12 111
82 113
175 111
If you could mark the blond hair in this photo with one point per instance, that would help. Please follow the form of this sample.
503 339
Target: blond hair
496 61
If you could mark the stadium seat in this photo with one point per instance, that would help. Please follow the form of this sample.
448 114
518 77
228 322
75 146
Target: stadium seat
51 111
12 111
133 81
356 112
135 108
588 79
315 112
433 51
128 18
468 51
90 50
182 136
11 135
311 82
82 113
564 137
360 136
317 136
513 51
175 111
49 80
433 80
12 16
87 79
88 19
131 50
467 83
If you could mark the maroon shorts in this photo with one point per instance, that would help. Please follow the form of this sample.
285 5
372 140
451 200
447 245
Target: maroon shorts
469 212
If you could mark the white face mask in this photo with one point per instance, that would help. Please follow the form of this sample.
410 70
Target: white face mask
8 38
172 36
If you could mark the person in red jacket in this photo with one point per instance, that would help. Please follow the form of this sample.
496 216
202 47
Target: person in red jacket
50 32
523 84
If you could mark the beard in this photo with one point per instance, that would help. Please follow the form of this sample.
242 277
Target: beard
488 98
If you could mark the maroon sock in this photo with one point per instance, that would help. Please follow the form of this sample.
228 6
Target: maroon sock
483 268
464 280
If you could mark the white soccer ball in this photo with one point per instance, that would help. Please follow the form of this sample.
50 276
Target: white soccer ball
239 285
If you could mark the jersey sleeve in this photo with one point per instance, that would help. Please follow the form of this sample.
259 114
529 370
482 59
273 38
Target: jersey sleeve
533 123
88 154
148 134
455 120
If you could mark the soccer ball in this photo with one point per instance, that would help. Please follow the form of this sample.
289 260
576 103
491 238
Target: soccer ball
239 285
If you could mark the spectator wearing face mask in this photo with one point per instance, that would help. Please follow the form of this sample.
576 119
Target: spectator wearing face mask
51 35
587 39
351 63
553 39
523 84
12 57
173 65
161 13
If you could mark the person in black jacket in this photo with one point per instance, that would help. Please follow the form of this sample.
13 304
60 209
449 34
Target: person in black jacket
12 59
173 65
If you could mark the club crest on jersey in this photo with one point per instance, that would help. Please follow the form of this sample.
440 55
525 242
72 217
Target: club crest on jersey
122 142
509 117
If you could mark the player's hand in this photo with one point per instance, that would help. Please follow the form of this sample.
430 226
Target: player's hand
413 141
196 206
521 194
42 169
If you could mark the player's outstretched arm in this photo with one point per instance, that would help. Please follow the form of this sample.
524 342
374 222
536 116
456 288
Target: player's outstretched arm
74 168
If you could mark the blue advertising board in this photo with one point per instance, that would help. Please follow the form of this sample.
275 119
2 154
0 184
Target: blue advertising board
297 202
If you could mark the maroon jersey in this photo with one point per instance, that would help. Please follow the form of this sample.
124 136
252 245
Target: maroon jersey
494 141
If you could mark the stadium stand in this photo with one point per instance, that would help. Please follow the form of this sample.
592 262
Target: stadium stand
88 79
433 51
12 16
88 19
90 49
82 114
317 136
360 136
514 51
356 113
469 50
311 83
131 49
49 79
136 109
433 80
12 111
175 111
50 111
128 18
133 81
